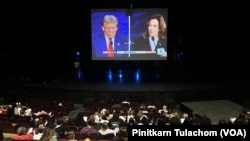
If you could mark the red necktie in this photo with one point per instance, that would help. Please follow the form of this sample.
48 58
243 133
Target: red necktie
110 49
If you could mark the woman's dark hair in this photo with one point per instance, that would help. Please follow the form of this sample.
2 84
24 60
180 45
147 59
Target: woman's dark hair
162 26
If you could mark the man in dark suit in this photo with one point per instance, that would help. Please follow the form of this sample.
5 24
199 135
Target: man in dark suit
108 44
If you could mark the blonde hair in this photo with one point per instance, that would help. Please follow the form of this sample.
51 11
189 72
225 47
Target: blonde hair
109 18
48 133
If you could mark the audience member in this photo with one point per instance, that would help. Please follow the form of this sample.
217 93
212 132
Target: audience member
104 130
49 134
115 121
22 134
38 132
122 135
60 127
89 129
70 135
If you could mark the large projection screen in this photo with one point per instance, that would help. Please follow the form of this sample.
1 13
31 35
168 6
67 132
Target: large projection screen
139 34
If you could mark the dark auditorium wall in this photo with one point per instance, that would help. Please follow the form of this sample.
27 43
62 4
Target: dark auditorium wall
41 38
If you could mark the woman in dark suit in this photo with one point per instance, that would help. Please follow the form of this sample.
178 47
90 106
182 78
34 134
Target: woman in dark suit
153 43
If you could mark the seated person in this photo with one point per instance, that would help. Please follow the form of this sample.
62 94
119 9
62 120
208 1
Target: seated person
22 134
38 132
70 135
89 129
104 130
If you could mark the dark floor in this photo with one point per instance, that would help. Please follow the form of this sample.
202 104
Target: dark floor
79 91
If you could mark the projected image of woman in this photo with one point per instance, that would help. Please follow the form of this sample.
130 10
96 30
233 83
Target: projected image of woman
153 42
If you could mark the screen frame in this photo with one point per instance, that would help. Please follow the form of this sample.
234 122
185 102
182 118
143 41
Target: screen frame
136 20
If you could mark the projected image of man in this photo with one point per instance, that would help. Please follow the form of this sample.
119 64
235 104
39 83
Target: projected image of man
108 43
